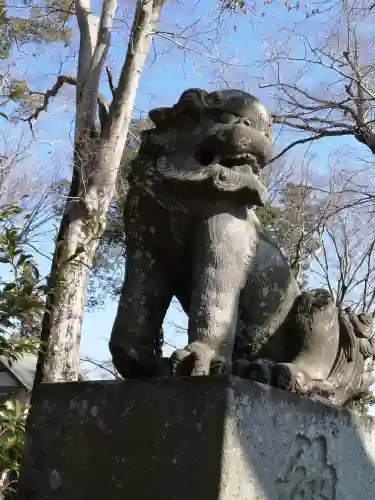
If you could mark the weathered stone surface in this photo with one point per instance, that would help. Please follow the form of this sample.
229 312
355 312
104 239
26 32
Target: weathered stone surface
200 438
192 232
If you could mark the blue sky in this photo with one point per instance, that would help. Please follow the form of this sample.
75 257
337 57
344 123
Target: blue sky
169 71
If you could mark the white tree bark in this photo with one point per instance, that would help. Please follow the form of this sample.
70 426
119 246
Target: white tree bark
96 163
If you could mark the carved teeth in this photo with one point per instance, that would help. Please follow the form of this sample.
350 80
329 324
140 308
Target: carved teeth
231 158
240 160
243 155
239 156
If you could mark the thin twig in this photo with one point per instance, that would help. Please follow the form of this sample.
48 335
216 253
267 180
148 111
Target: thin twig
61 79
110 81
324 133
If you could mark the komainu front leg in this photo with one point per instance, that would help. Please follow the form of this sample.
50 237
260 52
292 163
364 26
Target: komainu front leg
145 298
220 260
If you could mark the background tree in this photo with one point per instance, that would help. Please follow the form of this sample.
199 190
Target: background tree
296 214
321 75
93 184
346 267
346 264
108 268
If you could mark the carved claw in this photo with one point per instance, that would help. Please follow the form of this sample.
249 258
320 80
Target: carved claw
197 359
259 370
290 378
240 367
283 378
177 360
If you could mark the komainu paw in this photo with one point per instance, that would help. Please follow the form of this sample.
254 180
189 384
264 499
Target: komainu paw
197 359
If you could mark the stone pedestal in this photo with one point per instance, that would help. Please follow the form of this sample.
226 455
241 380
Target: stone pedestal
209 438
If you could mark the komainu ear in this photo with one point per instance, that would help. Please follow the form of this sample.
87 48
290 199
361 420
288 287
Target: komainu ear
159 115
190 100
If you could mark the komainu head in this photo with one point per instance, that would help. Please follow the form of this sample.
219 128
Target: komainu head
229 127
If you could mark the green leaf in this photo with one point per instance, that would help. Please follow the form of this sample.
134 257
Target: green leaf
9 287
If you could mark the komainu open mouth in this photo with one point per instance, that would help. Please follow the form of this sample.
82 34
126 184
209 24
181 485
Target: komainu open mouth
240 159
206 157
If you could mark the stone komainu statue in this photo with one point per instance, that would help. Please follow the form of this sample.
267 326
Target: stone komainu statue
191 232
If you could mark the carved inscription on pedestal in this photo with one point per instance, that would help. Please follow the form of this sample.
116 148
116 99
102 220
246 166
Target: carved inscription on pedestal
307 474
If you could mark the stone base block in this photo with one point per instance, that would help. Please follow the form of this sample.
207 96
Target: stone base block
206 438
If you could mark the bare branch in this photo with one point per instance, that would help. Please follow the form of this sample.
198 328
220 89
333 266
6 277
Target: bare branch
47 96
142 28
90 84
110 81
88 27
96 166
324 133
105 366
345 99
61 79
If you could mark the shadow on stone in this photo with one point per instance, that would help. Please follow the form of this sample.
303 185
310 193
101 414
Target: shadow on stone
291 447
139 439
201 438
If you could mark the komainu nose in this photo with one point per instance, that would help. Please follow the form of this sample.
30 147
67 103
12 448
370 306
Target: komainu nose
240 136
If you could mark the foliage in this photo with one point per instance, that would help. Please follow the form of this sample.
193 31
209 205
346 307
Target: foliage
13 415
21 302
39 23
362 403
22 293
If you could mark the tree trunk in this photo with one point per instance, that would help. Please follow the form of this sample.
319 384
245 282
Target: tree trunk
96 163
